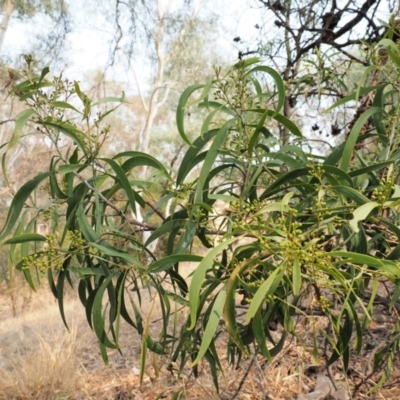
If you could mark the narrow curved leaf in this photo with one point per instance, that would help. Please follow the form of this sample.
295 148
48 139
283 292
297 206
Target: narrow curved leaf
352 138
280 85
242 64
362 213
190 159
63 104
352 194
180 112
267 288
123 255
286 122
138 159
353 96
20 121
69 131
66 169
212 325
211 157
26 237
98 316
296 277
18 202
122 179
258 329
356 258
112 99
166 262
198 278
166 227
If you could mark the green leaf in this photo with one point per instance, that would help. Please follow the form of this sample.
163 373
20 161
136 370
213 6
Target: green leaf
84 272
267 288
166 262
258 329
138 159
212 324
286 122
218 107
280 86
353 96
69 131
243 64
296 276
352 138
98 317
111 252
289 177
27 274
271 207
369 168
380 264
379 102
84 226
26 237
20 121
198 278
222 197
166 227
60 291
352 194
362 213
343 176
112 99
180 112
210 158
66 169
204 93
18 202
190 159
63 104
123 180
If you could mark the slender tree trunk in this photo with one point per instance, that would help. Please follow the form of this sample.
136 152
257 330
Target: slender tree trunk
9 9
153 104
160 88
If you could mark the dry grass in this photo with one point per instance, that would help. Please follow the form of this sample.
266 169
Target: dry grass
38 356
46 371
40 359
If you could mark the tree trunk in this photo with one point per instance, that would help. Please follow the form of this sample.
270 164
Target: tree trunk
9 9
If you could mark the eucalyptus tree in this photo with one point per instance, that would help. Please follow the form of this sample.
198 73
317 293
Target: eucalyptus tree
25 9
165 45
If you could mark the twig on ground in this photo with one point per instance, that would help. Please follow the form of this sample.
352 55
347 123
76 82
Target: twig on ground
260 374
243 379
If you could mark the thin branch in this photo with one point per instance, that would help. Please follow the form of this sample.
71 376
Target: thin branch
351 24
248 369
156 210
7 120
138 85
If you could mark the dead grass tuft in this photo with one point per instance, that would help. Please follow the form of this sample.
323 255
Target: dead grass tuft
45 371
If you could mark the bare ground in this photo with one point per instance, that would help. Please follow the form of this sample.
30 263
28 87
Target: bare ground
40 359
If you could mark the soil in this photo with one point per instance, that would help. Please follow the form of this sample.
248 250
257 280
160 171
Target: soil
36 336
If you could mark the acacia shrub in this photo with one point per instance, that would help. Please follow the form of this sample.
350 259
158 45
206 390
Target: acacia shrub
321 230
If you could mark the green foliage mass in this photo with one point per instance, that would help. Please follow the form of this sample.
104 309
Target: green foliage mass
293 235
